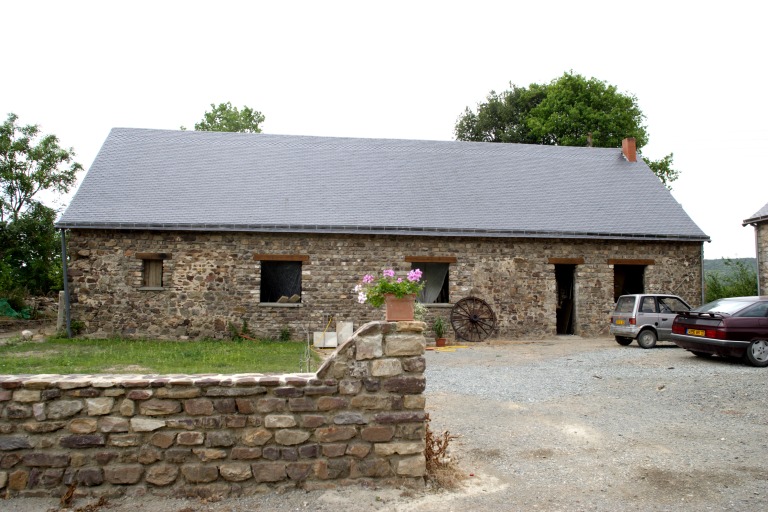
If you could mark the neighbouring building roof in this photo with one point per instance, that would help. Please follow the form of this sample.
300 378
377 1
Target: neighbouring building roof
163 179
760 216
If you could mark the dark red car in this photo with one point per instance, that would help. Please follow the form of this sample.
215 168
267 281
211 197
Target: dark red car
732 327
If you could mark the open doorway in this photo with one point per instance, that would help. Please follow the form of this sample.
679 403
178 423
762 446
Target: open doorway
628 279
564 276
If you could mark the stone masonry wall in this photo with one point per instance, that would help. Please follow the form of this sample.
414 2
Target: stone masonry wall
212 281
360 418
762 256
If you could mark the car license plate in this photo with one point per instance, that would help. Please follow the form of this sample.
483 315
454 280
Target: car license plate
695 332
619 322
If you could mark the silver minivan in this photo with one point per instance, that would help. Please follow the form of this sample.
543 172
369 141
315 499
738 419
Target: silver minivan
646 317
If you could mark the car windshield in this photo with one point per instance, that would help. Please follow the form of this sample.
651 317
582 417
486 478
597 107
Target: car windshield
728 307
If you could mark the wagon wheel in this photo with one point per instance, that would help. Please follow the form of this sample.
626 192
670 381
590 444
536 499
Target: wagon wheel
472 319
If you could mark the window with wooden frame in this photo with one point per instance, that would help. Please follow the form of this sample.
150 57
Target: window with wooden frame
435 272
281 278
152 269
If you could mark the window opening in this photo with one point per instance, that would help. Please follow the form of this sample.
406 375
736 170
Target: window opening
280 281
435 275
153 274
628 279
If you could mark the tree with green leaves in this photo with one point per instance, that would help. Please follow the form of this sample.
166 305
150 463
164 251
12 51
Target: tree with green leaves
226 118
569 111
738 280
29 244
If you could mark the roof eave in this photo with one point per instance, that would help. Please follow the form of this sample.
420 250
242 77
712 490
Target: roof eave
382 230
755 220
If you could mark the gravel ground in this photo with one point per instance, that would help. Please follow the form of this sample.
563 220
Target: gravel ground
563 424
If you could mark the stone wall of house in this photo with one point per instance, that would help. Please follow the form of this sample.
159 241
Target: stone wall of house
212 281
360 417
762 256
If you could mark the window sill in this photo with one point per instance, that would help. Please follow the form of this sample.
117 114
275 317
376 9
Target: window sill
280 304
151 289
438 305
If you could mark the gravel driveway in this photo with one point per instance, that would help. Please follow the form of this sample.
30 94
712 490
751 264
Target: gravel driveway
567 424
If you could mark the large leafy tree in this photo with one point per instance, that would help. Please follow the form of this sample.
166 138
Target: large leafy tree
569 111
29 244
226 118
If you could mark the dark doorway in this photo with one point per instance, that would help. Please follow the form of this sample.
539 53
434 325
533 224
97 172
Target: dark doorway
564 276
627 279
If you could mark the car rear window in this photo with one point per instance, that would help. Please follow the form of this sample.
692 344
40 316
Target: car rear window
625 305
672 304
728 307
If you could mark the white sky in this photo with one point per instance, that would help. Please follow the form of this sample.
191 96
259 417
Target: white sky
404 70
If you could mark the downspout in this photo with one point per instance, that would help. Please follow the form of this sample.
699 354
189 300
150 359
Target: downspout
66 283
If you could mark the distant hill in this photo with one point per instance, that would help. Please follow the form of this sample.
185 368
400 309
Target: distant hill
720 266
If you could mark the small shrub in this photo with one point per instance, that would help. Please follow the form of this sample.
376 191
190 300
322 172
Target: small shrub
442 469
285 334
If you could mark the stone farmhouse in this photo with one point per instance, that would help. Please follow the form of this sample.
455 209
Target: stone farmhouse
760 222
185 235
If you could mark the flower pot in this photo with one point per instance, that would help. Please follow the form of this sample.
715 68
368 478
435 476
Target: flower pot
399 309
440 342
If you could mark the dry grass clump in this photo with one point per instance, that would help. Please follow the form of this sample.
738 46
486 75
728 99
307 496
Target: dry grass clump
442 469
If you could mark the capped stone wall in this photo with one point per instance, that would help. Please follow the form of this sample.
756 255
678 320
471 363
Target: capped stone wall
360 418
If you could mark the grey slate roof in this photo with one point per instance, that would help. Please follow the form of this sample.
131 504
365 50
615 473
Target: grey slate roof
162 179
760 216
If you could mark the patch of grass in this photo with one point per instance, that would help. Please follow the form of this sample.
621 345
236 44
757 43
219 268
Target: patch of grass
61 355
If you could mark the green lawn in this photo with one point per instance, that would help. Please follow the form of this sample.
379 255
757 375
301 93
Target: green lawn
140 356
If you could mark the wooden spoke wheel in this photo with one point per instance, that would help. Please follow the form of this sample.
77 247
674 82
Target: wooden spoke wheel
472 319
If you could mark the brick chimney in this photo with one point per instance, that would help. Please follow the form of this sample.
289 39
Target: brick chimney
629 149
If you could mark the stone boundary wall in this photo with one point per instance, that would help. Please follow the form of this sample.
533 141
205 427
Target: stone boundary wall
360 418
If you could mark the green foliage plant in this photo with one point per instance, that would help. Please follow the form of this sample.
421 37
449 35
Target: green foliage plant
372 290
571 110
226 118
438 325
739 280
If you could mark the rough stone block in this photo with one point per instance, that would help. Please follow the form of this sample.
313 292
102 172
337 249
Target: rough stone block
41 428
414 364
53 460
99 406
349 418
269 471
190 438
209 454
177 393
124 440
245 405
149 454
350 387
378 433
311 420
198 474
9 443
400 417
113 424
162 474
63 409
83 441
123 474
298 471
279 421
139 394
371 468
235 472
371 402
198 407
359 450
403 448
17 480
335 433
127 407
412 466
405 385
332 469
242 453
268 405
225 405
90 477
399 345
219 439
386 367
291 437
256 436
26 395
17 411
162 439
332 450
414 401
369 347
158 407
146 424
82 425
301 405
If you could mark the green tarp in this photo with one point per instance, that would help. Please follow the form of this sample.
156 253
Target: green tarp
7 310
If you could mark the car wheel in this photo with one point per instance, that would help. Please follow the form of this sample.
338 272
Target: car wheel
647 339
757 353
622 340
699 353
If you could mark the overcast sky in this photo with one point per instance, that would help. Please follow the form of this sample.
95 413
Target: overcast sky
404 70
